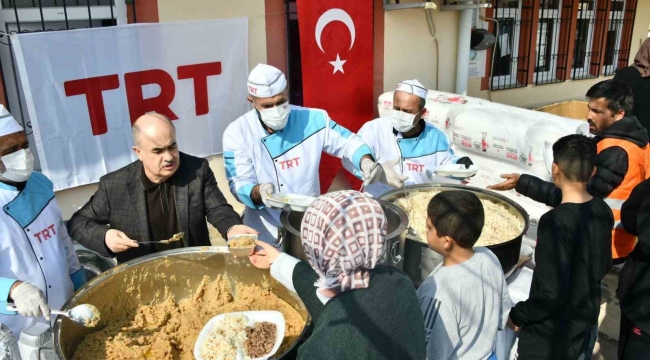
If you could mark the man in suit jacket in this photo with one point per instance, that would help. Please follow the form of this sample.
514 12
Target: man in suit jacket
165 193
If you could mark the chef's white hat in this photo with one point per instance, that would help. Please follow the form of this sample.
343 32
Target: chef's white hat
266 81
413 87
8 125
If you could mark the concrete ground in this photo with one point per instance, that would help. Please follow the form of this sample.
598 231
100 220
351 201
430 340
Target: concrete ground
606 349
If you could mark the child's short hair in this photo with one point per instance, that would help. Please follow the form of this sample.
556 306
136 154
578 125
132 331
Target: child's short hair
458 214
575 155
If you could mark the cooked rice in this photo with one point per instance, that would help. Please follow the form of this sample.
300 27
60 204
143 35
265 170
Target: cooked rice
500 224
226 337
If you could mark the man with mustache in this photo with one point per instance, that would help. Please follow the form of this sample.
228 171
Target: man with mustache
622 163
165 193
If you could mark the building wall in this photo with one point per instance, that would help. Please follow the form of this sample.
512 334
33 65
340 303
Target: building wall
409 48
188 10
410 53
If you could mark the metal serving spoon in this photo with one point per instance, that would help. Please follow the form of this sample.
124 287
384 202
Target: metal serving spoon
85 314
174 238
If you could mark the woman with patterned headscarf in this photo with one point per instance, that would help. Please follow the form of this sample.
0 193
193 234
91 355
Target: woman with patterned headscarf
360 308
637 77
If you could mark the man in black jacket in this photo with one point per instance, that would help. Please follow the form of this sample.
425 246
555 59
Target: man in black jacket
634 281
164 193
621 162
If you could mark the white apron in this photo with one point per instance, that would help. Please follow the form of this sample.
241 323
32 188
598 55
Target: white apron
289 158
34 247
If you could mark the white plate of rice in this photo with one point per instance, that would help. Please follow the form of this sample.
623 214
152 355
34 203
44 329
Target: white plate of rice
223 337
456 170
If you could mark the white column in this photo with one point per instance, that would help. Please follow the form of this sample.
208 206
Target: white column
464 43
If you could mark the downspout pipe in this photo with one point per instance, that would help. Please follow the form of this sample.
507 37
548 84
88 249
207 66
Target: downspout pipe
464 44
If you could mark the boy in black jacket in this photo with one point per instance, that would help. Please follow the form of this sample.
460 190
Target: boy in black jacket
560 318
634 281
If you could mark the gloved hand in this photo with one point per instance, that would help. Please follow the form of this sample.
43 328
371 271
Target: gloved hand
266 190
465 161
391 177
372 172
384 173
30 301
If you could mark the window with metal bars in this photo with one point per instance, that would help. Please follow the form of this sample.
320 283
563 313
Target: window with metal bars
21 4
587 51
552 43
618 38
512 48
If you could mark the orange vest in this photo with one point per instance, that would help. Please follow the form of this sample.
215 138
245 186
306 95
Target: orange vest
638 170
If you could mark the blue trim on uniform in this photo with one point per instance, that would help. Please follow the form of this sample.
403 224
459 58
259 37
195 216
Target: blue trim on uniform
5 287
345 133
78 278
302 124
431 141
229 161
244 195
359 153
4 186
29 204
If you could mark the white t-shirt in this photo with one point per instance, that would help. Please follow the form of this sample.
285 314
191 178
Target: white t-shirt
464 306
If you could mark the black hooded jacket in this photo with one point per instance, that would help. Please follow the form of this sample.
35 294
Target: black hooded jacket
634 281
611 166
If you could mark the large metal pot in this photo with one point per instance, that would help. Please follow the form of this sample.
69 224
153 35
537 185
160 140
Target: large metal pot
289 232
108 291
92 262
507 252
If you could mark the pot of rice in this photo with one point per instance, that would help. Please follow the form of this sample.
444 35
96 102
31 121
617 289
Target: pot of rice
505 225
154 307
290 242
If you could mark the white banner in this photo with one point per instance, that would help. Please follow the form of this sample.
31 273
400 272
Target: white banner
84 87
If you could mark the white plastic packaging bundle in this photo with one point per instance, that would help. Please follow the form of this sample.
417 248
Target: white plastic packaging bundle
517 137
441 107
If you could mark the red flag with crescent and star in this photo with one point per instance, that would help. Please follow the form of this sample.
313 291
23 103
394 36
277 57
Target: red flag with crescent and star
336 46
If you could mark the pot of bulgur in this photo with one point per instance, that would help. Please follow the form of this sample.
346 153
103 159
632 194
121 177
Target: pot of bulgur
154 307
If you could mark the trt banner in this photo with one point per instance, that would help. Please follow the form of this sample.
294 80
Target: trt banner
336 45
84 88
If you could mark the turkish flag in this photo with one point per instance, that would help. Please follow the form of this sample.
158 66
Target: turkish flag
336 46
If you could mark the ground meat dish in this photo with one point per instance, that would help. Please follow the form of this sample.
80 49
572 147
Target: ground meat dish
260 339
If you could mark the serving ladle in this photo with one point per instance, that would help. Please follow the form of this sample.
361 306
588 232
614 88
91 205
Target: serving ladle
85 314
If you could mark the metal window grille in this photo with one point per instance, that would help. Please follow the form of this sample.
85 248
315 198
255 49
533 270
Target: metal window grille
21 4
552 41
590 28
511 58
9 74
617 47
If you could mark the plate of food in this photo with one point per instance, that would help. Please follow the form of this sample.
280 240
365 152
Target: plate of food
242 245
458 171
294 201
246 335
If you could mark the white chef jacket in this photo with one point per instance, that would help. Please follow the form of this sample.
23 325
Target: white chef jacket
288 158
35 248
419 156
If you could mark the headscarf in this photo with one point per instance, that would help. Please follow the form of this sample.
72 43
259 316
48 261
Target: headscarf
642 59
344 236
